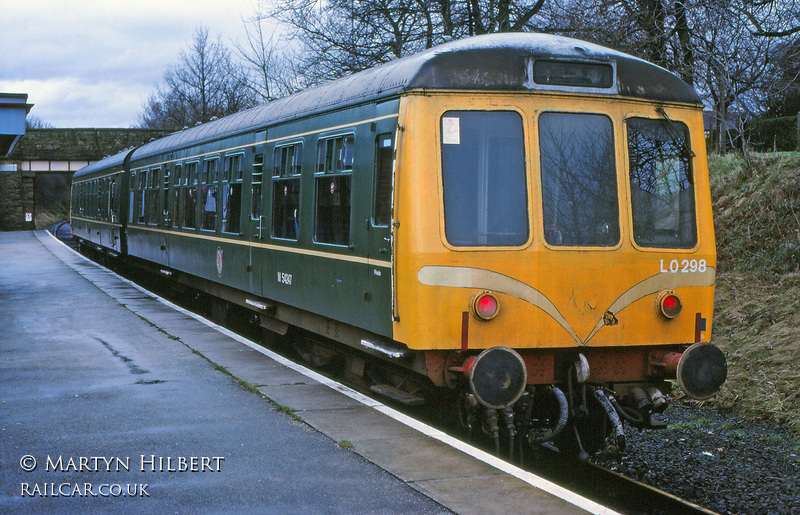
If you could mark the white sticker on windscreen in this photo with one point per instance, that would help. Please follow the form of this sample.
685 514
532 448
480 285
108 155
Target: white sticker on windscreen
451 131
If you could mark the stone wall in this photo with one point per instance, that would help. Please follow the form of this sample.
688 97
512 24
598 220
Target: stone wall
16 199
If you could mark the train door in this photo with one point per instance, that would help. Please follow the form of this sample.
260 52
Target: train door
167 207
160 209
174 206
380 240
257 231
110 212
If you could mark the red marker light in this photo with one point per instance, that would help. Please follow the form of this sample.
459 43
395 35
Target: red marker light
485 306
669 304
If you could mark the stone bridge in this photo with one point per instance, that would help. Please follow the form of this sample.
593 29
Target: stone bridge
35 178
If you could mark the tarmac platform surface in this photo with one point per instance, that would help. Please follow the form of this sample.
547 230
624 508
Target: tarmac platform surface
112 399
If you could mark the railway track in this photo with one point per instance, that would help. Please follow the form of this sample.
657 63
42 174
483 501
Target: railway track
609 488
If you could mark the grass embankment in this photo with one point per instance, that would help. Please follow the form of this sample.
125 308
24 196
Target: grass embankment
48 213
757 314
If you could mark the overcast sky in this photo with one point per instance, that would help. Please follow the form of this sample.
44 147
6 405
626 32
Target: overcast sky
94 63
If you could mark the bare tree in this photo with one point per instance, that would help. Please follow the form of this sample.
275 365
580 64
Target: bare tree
483 17
771 18
779 20
783 94
726 49
270 59
340 37
731 65
34 122
204 84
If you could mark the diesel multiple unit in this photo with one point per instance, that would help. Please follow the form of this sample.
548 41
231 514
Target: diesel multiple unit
520 223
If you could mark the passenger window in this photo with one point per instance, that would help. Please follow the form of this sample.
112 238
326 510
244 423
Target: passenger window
662 193
484 179
101 215
165 196
579 180
131 198
144 186
287 163
335 154
232 194
209 194
287 160
332 190
144 177
152 197
114 202
382 201
176 195
190 197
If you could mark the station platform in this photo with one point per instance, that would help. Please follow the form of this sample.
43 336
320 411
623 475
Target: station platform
113 399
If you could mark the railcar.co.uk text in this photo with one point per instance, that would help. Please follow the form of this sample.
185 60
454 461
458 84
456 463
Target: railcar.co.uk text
99 464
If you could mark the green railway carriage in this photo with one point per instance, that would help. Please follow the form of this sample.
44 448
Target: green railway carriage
96 205
284 209
506 217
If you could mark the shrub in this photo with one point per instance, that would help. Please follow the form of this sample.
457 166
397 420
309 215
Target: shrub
773 134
